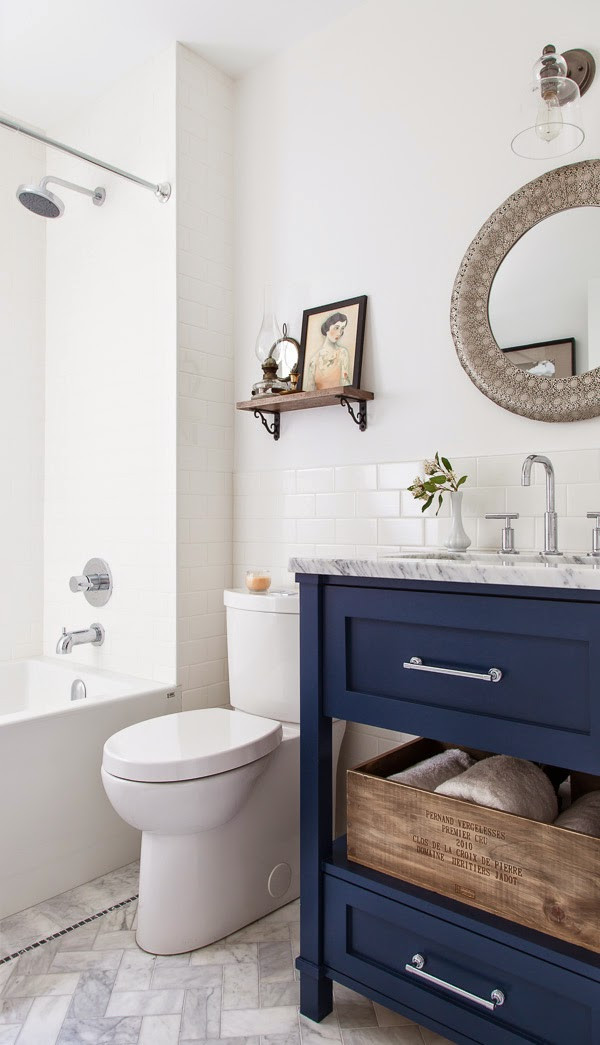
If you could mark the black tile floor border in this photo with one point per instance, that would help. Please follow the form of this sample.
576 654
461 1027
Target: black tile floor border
69 929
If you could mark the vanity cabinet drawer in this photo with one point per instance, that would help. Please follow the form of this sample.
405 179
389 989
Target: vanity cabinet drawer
546 652
372 940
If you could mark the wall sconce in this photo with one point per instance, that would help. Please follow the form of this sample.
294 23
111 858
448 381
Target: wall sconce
559 80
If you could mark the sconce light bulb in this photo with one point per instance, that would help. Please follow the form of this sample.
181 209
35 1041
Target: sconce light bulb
549 119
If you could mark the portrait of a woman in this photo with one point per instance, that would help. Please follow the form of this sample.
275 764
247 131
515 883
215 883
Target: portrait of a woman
330 365
331 345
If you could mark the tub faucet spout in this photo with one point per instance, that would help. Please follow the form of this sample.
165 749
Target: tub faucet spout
94 635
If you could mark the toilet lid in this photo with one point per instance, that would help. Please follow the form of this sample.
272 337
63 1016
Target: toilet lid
189 745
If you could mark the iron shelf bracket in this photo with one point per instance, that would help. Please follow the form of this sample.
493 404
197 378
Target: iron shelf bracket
359 418
272 429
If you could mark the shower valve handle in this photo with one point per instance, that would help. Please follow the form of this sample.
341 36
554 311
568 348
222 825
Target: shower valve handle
90 582
95 582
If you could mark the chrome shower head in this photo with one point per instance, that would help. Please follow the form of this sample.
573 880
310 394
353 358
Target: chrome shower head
39 199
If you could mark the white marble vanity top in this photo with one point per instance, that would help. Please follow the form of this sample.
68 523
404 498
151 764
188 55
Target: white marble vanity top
576 570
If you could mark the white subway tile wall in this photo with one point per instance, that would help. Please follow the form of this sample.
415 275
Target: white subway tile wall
205 376
371 513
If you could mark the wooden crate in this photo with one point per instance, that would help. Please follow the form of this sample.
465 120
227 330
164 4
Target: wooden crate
538 875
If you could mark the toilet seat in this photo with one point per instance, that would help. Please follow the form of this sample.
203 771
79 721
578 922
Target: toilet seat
189 745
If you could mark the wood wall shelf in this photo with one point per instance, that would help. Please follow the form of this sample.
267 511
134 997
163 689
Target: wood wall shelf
345 395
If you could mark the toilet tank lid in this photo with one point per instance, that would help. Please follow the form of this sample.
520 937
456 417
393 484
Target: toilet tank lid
276 600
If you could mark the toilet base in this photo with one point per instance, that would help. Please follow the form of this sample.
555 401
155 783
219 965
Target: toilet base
197 888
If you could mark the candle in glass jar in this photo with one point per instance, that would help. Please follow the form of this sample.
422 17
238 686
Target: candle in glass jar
258 580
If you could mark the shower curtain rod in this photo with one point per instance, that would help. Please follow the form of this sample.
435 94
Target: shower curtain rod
162 190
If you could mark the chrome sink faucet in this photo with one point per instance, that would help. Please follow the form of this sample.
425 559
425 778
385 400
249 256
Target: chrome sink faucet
94 634
550 516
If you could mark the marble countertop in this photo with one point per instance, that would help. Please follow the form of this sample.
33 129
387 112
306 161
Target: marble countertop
531 570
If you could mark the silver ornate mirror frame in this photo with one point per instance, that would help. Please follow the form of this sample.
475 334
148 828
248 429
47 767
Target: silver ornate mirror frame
541 398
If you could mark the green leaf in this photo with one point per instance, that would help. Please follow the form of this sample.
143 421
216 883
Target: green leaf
437 458
446 464
427 503
440 502
438 479
462 480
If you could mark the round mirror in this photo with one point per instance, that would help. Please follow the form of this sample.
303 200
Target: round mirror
525 314
544 305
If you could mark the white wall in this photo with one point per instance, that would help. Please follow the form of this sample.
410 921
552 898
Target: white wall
22 321
111 379
369 155
205 375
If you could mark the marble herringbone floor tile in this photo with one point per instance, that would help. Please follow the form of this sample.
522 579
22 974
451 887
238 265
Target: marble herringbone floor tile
20 930
117 1031
431 1038
37 923
225 954
384 1036
160 1030
327 1032
94 986
44 1021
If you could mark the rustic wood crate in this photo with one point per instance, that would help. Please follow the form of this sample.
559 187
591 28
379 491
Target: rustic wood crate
538 875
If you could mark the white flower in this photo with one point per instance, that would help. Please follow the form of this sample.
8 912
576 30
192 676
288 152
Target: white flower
431 468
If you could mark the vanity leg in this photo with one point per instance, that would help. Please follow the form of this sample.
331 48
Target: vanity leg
316 999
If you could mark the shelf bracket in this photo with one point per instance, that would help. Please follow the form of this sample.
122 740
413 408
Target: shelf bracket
271 429
359 418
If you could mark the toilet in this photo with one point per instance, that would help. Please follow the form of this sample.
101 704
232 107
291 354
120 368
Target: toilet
216 792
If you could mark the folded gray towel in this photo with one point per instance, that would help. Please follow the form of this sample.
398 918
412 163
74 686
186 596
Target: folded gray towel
433 771
582 816
506 783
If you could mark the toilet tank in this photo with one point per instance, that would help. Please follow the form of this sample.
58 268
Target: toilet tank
263 651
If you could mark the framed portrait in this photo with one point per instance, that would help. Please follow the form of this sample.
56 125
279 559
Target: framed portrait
545 358
331 345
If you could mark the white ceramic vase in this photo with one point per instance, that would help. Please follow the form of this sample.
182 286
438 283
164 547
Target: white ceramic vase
458 539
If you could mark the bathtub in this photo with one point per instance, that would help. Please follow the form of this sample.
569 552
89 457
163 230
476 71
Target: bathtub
57 828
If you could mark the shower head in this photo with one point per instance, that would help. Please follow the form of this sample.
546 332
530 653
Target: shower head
39 199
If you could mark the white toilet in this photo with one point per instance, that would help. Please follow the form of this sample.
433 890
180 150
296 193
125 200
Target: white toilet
215 792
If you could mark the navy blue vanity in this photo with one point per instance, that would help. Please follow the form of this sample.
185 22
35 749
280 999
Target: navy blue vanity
362 928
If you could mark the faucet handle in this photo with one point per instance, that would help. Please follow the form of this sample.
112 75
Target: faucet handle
508 533
95 582
595 532
90 582
81 583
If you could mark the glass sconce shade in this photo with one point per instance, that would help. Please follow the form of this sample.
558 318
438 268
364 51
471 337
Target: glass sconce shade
556 126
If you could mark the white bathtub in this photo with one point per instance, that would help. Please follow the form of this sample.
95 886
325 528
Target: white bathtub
57 828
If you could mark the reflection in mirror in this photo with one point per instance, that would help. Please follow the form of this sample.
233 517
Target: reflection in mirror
546 295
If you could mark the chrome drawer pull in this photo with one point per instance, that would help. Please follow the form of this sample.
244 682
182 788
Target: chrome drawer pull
416 664
416 968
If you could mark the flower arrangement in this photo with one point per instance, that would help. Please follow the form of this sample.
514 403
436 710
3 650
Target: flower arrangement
439 479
